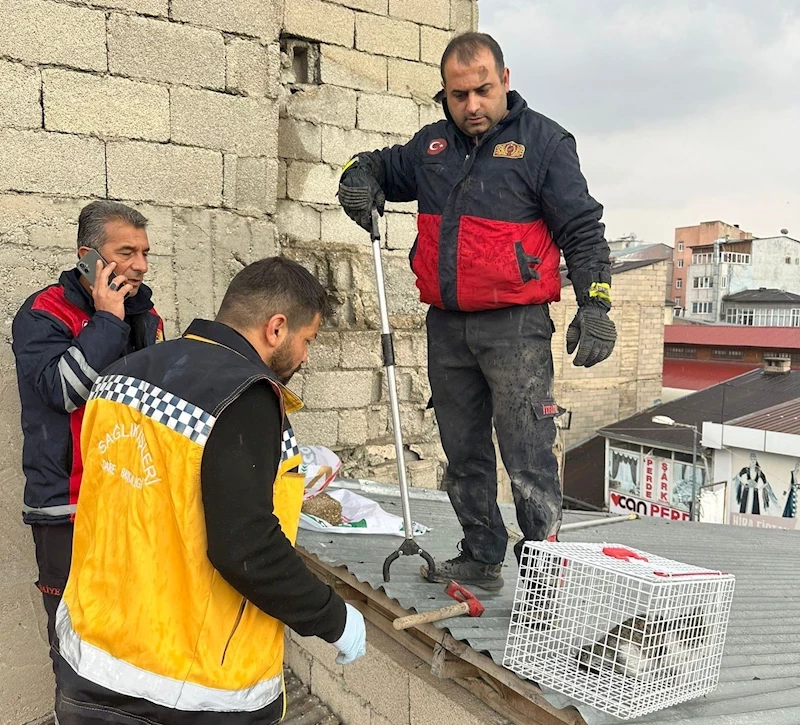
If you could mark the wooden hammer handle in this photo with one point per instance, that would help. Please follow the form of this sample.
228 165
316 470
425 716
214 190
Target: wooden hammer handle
436 615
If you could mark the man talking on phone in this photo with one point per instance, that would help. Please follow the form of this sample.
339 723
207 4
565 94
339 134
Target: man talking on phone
63 337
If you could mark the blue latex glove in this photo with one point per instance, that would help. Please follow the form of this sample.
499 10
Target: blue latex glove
353 642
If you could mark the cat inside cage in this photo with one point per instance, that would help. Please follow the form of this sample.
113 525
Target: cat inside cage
648 647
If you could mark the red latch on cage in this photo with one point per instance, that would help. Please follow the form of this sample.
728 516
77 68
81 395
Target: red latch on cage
620 552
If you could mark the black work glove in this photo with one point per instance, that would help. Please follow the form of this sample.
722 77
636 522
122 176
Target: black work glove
359 194
593 333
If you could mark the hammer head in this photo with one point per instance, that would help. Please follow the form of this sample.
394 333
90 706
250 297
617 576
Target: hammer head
462 594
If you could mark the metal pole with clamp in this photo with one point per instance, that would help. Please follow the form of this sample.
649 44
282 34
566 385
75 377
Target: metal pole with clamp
409 547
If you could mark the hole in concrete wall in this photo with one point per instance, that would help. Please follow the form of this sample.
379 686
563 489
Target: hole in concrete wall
299 61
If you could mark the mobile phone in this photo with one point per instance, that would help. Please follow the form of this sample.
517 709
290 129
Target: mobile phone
87 265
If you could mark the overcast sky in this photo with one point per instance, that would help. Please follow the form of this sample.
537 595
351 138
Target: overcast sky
684 110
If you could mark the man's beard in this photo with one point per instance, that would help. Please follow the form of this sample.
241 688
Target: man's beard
282 365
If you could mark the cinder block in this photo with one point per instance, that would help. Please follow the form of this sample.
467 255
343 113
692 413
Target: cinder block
236 16
167 52
19 89
273 70
281 179
339 390
298 221
411 348
361 349
264 238
388 114
324 104
329 688
435 702
299 140
39 221
326 352
250 183
244 126
411 78
191 231
247 67
367 678
298 661
424 474
339 146
387 36
164 174
319 21
401 230
352 68
316 183
430 113
84 103
53 163
379 7
338 228
463 15
322 654
432 44
316 428
352 427
52 32
141 7
428 12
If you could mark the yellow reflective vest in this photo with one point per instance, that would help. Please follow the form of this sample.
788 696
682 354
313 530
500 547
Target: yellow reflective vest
144 612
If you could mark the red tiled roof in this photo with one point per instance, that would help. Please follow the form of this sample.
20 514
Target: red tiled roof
698 374
778 338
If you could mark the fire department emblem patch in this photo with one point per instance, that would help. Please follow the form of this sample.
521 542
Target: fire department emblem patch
436 146
509 150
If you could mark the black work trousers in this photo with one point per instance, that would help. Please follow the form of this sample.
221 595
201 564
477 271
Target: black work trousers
496 366
53 557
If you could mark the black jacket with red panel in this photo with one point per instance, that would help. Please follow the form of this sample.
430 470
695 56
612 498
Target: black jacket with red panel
493 215
61 344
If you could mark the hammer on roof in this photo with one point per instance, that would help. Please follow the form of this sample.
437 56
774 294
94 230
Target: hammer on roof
468 604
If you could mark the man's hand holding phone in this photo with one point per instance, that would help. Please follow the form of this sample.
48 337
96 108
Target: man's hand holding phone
109 291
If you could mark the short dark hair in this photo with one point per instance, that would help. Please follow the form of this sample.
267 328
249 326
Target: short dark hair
272 286
94 217
467 45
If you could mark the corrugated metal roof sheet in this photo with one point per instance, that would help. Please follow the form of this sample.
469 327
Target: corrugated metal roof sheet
760 678
776 338
783 418
700 374
745 395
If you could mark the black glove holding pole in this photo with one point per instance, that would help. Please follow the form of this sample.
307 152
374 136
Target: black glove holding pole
360 193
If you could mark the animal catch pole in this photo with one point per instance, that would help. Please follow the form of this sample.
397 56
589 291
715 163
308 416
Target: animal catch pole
409 547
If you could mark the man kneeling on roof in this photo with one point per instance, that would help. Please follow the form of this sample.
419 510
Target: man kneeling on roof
184 571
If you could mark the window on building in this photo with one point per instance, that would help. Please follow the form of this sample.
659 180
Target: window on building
677 301
679 283
723 353
702 282
680 264
680 351
680 246
723 282
797 260
795 318
788 260
702 308
739 316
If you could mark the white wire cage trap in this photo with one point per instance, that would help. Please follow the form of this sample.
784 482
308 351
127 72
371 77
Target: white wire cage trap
621 630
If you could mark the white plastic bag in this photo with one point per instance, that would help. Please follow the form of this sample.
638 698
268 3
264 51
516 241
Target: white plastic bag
320 466
360 515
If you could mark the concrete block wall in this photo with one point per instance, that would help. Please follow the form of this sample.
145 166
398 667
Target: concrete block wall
388 686
376 71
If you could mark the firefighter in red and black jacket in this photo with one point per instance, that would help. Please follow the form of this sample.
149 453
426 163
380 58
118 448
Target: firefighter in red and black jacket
500 195
63 337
